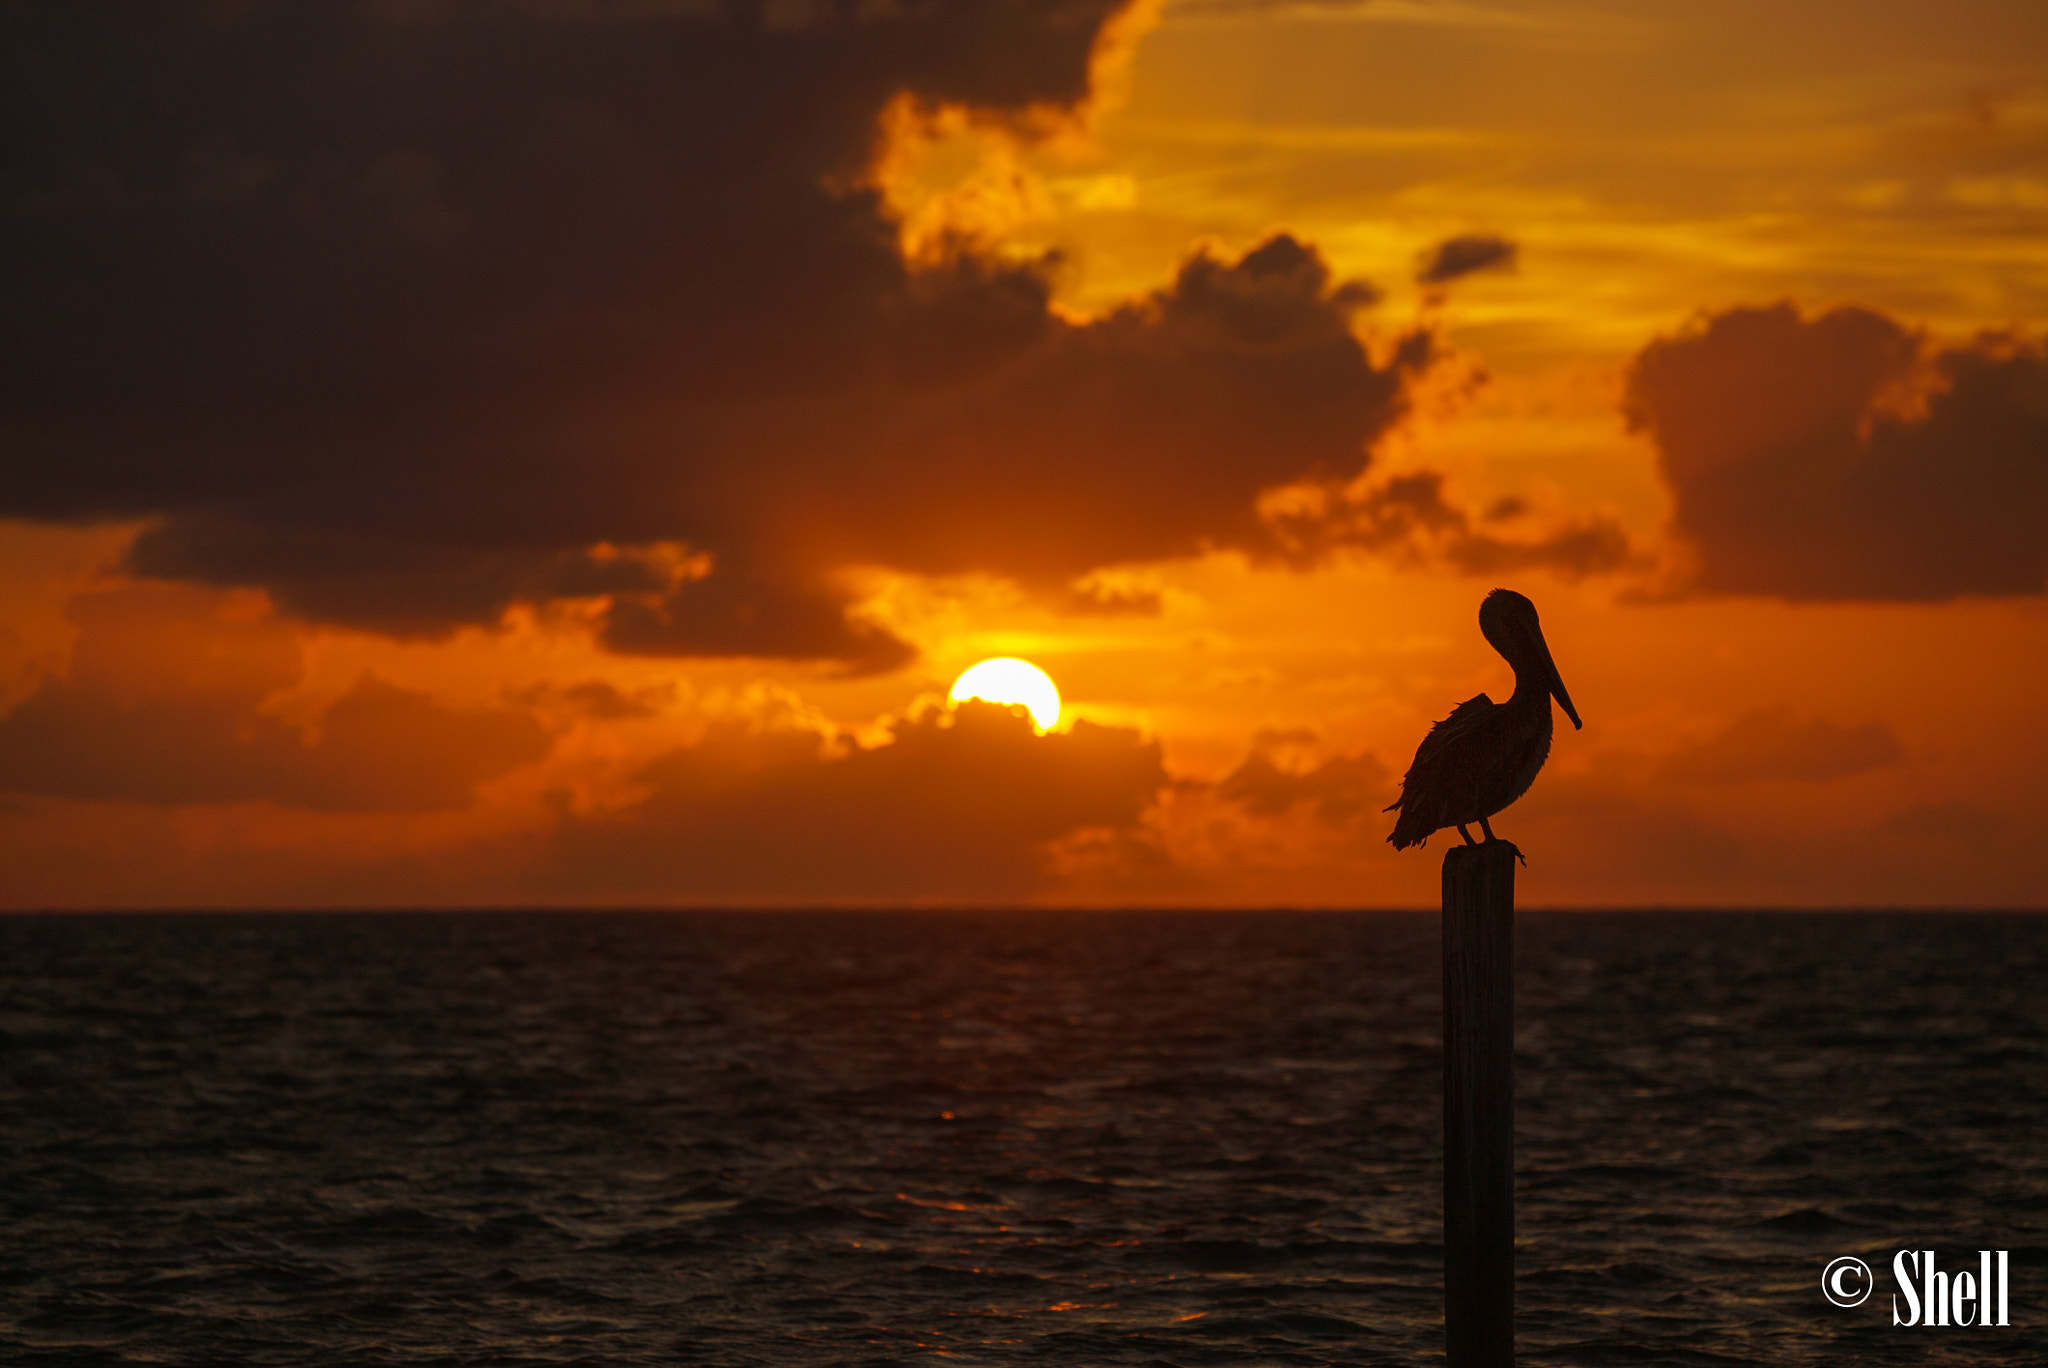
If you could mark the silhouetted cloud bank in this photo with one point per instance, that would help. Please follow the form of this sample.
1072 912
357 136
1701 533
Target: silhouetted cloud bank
163 704
1845 456
408 313
958 804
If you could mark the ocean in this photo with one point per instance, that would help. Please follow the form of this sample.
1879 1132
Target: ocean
1070 1139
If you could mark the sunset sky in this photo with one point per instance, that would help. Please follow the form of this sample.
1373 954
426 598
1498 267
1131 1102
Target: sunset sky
562 452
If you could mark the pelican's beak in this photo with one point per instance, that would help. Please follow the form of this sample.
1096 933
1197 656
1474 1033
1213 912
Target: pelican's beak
1557 689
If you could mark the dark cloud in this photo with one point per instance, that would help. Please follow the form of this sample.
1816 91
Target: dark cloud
1339 790
959 804
1410 515
1148 433
1775 744
163 705
1844 456
407 313
1466 254
734 615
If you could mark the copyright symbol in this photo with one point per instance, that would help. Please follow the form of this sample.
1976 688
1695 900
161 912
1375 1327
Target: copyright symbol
1846 1270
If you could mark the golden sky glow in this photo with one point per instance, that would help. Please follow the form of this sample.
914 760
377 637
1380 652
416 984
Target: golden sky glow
1239 351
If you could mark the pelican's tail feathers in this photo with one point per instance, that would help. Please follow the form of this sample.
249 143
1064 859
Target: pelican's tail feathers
1411 828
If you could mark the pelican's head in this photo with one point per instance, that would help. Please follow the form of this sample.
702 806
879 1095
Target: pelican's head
1508 621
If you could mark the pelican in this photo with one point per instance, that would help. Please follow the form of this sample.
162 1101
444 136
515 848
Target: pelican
1485 754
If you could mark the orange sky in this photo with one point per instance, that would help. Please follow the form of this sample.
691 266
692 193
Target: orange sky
543 493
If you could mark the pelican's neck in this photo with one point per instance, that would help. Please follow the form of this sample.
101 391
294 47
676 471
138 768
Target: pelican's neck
1532 684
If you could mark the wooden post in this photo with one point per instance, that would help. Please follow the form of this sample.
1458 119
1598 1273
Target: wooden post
1479 1106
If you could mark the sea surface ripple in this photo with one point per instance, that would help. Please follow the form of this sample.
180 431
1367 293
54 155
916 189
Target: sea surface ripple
973 1138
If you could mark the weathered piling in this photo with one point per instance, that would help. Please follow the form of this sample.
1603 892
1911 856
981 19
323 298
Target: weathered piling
1479 1105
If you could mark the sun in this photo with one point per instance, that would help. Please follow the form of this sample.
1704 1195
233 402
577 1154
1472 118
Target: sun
1007 680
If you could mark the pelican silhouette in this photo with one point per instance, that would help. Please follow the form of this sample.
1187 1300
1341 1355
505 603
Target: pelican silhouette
1485 754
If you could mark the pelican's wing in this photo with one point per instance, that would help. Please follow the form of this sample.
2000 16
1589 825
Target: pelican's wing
1467 719
1435 774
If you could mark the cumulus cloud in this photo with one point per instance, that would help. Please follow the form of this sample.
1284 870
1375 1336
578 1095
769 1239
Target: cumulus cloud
1776 744
958 804
1845 456
1466 254
407 314
163 705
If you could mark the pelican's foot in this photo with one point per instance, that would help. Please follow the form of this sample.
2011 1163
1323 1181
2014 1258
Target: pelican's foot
1513 849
